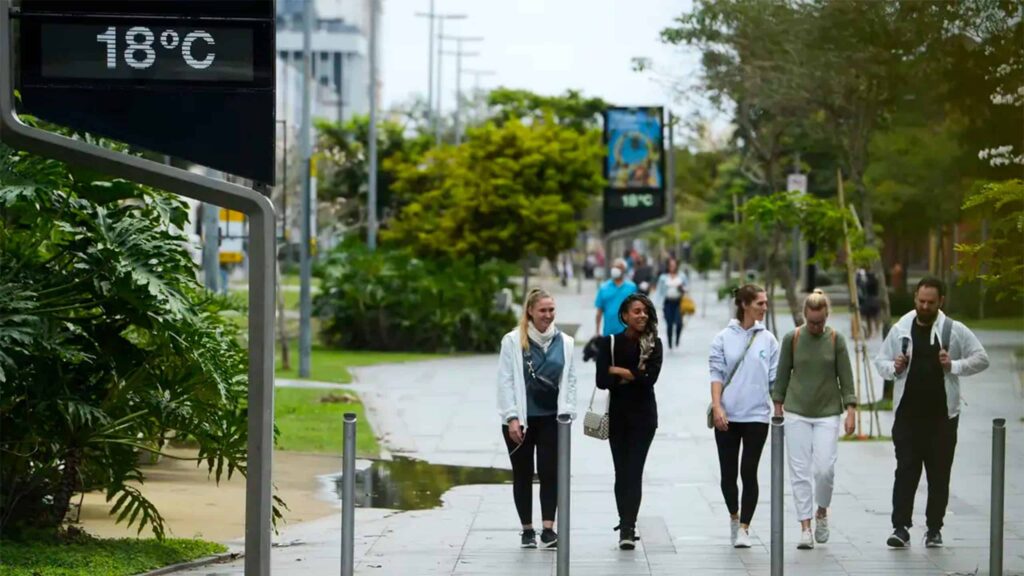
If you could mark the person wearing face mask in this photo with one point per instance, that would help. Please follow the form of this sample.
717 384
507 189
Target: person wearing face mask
814 385
743 361
610 297
628 365
926 353
536 383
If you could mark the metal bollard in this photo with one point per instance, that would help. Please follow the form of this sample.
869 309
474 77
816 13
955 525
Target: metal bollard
995 558
348 495
564 467
778 462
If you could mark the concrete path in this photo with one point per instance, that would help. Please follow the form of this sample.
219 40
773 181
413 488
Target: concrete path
443 412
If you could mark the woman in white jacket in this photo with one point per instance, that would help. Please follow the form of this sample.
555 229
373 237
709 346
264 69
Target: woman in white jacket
536 383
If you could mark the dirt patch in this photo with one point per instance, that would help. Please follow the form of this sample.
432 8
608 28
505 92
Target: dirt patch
193 505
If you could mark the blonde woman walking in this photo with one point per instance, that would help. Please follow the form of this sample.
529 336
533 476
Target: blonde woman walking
536 383
814 386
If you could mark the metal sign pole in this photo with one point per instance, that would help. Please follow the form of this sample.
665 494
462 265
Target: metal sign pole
260 211
995 560
778 466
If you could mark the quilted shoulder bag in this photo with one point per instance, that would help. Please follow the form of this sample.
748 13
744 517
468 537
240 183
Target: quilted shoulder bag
595 424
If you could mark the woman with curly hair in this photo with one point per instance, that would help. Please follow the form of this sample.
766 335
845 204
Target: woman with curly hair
628 364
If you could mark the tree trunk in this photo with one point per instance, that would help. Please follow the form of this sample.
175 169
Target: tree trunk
69 481
789 284
282 322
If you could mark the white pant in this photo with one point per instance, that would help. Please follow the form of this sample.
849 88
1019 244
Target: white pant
812 445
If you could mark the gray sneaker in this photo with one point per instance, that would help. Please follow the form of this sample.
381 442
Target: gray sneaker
529 538
821 532
734 530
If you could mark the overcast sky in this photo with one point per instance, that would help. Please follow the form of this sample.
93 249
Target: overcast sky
547 46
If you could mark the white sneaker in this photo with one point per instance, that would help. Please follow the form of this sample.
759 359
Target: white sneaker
821 532
806 540
734 529
742 539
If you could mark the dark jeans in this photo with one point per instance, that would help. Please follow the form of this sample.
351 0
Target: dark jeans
751 435
930 444
673 320
542 436
630 444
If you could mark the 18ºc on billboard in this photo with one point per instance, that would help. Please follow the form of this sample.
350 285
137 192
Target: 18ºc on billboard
634 167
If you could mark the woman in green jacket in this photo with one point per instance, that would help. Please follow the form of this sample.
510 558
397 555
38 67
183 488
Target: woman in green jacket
814 385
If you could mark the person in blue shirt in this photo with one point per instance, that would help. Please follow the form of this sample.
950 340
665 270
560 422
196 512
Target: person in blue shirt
610 297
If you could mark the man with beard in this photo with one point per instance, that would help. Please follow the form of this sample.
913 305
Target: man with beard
926 353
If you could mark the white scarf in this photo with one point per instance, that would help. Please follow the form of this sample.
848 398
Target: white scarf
542 339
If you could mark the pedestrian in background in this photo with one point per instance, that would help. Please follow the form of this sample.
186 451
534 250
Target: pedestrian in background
671 288
628 365
743 360
536 383
610 297
926 353
814 385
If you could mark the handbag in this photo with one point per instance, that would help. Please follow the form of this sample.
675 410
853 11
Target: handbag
595 424
687 306
710 415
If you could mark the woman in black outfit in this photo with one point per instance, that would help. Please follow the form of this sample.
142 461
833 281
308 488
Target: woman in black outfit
632 410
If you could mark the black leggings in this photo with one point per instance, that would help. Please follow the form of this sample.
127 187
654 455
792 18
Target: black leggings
673 320
752 436
629 445
542 435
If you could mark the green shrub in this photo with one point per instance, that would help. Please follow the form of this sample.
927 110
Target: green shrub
390 300
107 343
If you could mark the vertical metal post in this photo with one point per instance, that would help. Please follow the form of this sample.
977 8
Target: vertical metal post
778 461
305 263
564 487
995 558
211 248
371 201
458 93
348 494
431 120
258 503
440 73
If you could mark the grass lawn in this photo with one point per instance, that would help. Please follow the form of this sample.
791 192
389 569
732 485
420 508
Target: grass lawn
291 298
294 280
99 557
308 424
1010 323
845 438
331 365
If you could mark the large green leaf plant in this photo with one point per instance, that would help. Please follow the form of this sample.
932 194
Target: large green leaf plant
108 345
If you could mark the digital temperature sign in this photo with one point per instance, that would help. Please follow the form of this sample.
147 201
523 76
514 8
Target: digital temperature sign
193 79
201 54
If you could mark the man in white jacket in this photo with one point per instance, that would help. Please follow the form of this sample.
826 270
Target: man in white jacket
926 353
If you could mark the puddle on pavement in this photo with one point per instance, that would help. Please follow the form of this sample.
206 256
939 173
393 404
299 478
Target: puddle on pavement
408 484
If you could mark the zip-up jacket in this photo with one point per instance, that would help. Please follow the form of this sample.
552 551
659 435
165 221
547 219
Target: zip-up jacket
967 353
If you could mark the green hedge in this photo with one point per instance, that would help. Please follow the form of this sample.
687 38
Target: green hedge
390 300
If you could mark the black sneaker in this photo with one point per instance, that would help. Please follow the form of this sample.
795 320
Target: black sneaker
627 539
933 539
548 539
900 538
529 538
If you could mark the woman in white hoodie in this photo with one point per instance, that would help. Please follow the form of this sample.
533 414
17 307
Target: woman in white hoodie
743 361
536 383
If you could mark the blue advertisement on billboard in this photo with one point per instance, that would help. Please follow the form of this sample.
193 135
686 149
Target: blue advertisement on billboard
634 140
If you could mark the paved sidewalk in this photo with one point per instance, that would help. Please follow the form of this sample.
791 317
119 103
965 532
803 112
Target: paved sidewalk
443 412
